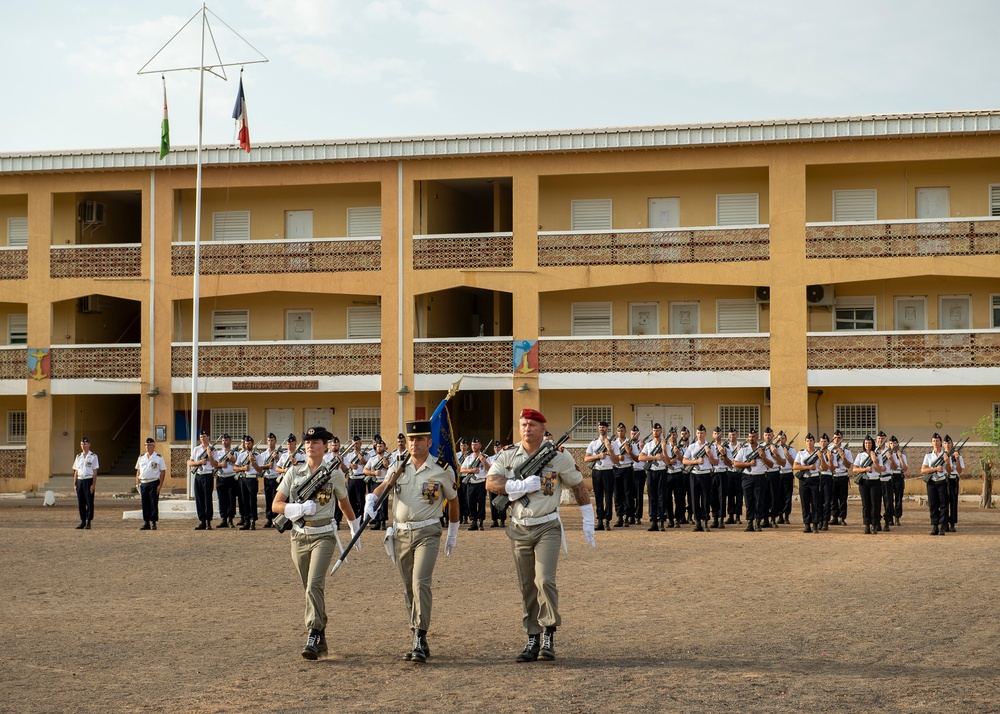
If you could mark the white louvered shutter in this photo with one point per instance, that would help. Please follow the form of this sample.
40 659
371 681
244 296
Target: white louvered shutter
737 209
230 325
364 222
855 206
591 215
364 323
17 231
591 319
736 316
231 226
995 200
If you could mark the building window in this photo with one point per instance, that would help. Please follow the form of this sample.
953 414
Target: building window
364 222
230 325
854 313
591 319
17 329
229 421
231 225
739 417
737 209
995 311
855 206
590 215
739 316
364 323
592 416
17 427
17 231
856 421
995 199
364 422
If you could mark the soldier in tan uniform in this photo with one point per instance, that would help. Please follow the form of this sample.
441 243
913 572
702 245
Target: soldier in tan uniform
415 536
314 541
535 530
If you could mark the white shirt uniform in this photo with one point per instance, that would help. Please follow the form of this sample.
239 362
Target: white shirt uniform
85 465
840 466
355 462
227 468
693 449
745 454
150 467
377 463
596 447
474 462
648 449
860 461
929 460
800 458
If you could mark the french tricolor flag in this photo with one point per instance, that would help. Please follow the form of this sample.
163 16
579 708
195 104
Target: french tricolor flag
242 122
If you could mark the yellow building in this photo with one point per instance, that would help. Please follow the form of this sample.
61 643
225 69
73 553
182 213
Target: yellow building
804 274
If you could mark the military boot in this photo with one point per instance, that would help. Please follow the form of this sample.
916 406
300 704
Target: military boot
311 650
547 649
530 651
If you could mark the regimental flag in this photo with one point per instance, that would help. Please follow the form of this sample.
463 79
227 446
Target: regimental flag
165 126
442 434
242 122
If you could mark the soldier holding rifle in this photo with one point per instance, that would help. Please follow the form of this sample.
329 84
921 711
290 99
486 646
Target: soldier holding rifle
313 540
653 456
934 472
203 481
957 466
602 455
474 468
535 530
270 478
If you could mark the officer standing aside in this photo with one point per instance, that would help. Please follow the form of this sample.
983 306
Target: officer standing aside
535 530
150 472
204 474
420 490
313 541
602 455
85 467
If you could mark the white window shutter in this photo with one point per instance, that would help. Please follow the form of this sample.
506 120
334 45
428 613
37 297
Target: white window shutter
17 328
995 200
17 231
736 316
737 209
854 206
591 319
364 222
591 215
364 323
231 325
231 226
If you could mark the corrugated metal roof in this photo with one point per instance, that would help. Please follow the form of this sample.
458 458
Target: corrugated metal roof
727 134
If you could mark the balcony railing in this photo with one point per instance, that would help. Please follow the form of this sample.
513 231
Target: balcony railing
13 462
463 355
903 350
280 359
118 260
270 257
710 244
13 263
463 250
662 353
903 239
115 362
14 362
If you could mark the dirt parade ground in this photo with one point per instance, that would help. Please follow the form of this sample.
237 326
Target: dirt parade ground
117 620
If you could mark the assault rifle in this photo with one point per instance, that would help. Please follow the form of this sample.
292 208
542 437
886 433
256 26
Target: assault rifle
211 447
534 464
700 453
316 482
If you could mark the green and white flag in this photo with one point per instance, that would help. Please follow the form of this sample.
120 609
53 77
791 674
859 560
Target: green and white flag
165 126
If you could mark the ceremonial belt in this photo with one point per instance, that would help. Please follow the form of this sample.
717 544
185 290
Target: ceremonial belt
84 478
149 480
809 474
702 473
476 479
318 523
536 521
313 530
601 468
841 473
225 475
416 525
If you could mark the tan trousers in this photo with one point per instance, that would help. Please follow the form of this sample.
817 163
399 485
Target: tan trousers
536 554
416 553
312 555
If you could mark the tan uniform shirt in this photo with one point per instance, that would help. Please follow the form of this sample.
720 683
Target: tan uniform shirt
335 489
559 472
420 492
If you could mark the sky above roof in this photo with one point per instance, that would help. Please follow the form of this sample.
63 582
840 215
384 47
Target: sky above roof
347 69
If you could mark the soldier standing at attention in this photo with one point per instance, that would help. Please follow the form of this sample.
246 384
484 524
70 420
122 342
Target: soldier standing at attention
934 472
270 478
416 530
653 457
225 482
463 481
375 471
313 541
602 456
638 474
840 462
957 466
499 517
150 471
85 467
203 475
734 500
700 456
624 485
720 479
535 530
475 468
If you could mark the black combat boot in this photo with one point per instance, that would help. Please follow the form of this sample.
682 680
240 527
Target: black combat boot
420 651
530 651
547 649
311 650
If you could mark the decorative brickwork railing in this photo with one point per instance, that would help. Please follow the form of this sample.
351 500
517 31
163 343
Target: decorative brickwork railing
903 239
279 359
12 462
95 361
14 362
179 456
477 250
904 350
326 255
463 356
708 353
96 261
13 264
643 247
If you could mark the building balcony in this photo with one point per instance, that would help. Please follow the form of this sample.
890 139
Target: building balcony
710 244
327 365
948 357
13 263
256 257
14 362
903 239
483 362
463 250
95 369
661 361
13 462
117 260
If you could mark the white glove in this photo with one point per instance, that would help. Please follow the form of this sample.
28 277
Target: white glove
354 526
370 500
452 540
309 508
587 511
295 511
516 489
388 544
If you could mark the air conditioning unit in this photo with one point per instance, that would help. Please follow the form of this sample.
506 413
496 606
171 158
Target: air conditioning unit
93 213
89 305
762 294
819 294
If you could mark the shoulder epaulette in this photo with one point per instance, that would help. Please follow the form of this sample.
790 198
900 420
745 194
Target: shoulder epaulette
508 448
443 462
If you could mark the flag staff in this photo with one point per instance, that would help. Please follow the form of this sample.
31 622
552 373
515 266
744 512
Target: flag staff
219 70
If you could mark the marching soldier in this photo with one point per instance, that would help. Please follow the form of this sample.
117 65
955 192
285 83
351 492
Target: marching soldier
85 467
416 530
222 460
840 484
313 540
653 457
807 468
475 467
291 457
957 466
686 512
935 470
150 472
885 478
700 455
203 476
602 457
535 530
333 456
826 457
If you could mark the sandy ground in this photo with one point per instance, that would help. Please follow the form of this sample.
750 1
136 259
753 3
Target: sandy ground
117 620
